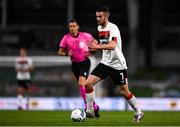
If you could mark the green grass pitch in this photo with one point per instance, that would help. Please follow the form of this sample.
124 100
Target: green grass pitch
108 118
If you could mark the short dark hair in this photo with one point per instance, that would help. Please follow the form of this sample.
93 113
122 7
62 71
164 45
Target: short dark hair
74 20
103 9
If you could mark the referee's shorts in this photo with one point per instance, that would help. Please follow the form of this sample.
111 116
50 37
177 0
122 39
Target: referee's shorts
81 68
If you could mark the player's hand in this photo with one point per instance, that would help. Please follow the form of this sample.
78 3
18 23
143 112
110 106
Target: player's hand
93 46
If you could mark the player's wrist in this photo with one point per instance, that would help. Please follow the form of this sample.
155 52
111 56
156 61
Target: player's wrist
66 54
99 47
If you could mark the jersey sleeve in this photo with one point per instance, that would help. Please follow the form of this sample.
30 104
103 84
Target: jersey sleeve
30 62
16 63
63 43
114 34
89 38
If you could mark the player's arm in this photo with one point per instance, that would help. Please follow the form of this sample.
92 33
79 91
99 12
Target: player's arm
17 67
30 68
109 46
115 33
92 50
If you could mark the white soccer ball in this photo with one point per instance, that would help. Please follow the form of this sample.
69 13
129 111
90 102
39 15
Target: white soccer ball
78 115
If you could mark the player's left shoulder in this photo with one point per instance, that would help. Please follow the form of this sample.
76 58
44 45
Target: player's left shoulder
113 26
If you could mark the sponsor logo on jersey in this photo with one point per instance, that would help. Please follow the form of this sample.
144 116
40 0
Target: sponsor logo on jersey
104 36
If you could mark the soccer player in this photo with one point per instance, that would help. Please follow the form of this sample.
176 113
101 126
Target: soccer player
76 45
113 63
23 66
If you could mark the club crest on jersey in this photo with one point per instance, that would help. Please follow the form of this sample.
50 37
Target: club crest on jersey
81 44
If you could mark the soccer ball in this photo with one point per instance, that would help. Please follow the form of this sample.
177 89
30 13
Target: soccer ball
78 115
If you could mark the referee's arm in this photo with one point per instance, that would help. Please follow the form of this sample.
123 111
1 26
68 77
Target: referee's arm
62 52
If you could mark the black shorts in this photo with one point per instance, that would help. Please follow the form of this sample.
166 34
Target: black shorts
118 76
24 83
81 68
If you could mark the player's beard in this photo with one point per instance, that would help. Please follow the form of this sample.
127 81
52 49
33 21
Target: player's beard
101 23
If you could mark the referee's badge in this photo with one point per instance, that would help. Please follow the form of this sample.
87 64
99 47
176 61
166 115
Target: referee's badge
81 44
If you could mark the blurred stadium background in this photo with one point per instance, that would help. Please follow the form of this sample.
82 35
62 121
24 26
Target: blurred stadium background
150 31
